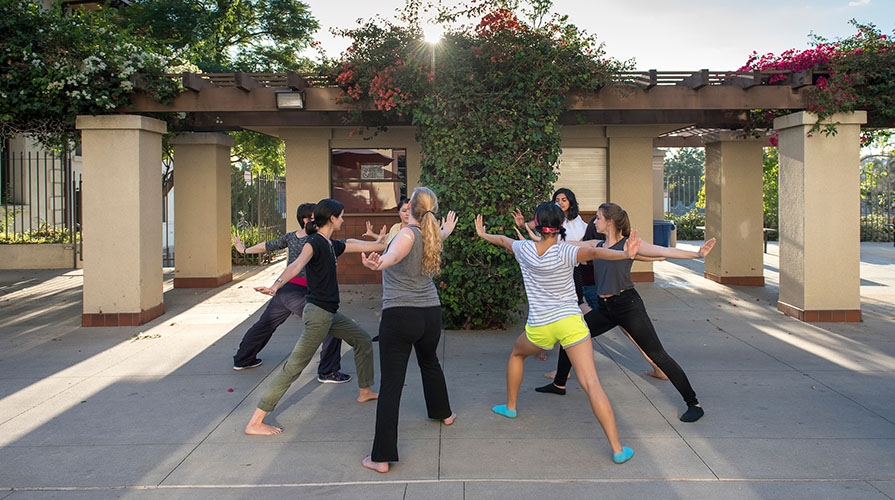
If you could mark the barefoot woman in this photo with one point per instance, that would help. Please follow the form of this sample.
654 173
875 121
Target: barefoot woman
411 320
321 314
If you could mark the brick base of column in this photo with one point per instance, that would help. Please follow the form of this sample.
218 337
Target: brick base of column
736 280
643 276
121 318
203 282
822 315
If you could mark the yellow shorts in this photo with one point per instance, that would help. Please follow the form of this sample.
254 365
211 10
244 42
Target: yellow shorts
567 331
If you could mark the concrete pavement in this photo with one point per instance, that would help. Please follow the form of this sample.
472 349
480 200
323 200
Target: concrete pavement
793 410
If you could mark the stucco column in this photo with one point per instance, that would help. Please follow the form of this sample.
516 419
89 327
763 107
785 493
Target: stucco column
819 192
733 208
122 219
202 210
631 184
307 168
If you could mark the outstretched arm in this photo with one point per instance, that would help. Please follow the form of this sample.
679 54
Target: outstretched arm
650 250
241 247
494 239
400 248
632 245
291 271
354 245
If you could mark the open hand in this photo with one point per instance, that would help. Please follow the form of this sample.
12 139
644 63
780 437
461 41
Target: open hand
448 223
632 245
370 261
518 218
706 247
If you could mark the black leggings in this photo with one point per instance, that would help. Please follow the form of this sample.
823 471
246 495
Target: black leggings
401 330
626 310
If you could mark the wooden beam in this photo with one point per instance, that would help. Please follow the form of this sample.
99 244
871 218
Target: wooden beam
295 82
246 82
194 82
696 80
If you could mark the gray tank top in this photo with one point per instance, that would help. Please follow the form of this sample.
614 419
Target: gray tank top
404 284
613 276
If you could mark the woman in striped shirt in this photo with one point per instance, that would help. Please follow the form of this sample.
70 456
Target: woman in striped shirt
554 315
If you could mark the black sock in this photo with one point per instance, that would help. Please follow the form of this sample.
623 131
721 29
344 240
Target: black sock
552 389
692 414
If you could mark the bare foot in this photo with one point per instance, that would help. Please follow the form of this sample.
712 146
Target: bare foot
367 394
262 429
657 373
381 467
257 427
542 356
550 375
450 420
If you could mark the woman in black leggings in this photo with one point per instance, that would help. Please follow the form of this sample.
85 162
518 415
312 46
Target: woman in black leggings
619 304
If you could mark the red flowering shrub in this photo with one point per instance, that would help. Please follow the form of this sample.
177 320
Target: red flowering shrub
860 76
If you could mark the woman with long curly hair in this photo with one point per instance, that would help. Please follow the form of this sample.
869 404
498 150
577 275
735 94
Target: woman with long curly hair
411 320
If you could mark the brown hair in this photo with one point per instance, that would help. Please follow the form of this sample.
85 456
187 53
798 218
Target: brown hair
619 217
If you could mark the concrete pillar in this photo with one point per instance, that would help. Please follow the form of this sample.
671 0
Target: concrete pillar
122 214
734 213
307 168
631 185
819 192
202 208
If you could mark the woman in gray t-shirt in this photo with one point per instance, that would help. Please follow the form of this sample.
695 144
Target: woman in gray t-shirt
411 319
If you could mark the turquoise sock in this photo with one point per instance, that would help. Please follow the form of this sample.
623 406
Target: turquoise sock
624 456
502 410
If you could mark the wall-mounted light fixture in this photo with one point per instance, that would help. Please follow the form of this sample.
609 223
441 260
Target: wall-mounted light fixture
290 99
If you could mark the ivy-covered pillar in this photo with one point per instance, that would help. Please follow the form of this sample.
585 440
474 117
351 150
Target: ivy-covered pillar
202 210
734 213
122 219
307 168
819 192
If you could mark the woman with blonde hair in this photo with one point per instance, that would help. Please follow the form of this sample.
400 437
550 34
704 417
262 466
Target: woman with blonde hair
411 320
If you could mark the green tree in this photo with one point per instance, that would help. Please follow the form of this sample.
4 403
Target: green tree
685 177
258 152
227 35
59 65
770 176
487 118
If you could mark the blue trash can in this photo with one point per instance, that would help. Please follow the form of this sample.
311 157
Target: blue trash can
662 232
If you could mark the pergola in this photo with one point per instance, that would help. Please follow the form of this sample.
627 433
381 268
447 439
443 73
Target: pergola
612 133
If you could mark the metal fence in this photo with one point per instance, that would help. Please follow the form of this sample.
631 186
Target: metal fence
39 198
257 211
682 193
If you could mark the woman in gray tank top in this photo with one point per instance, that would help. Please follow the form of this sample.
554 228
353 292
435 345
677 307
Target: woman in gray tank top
619 304
411 319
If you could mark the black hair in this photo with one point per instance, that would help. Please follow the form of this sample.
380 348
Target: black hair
573 202
304 211
403 202
549 219
325 209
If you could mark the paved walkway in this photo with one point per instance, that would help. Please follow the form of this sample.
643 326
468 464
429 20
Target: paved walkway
793 410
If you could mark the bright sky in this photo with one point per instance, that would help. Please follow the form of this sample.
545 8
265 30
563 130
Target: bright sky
669 35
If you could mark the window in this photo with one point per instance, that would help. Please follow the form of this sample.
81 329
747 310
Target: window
369 180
